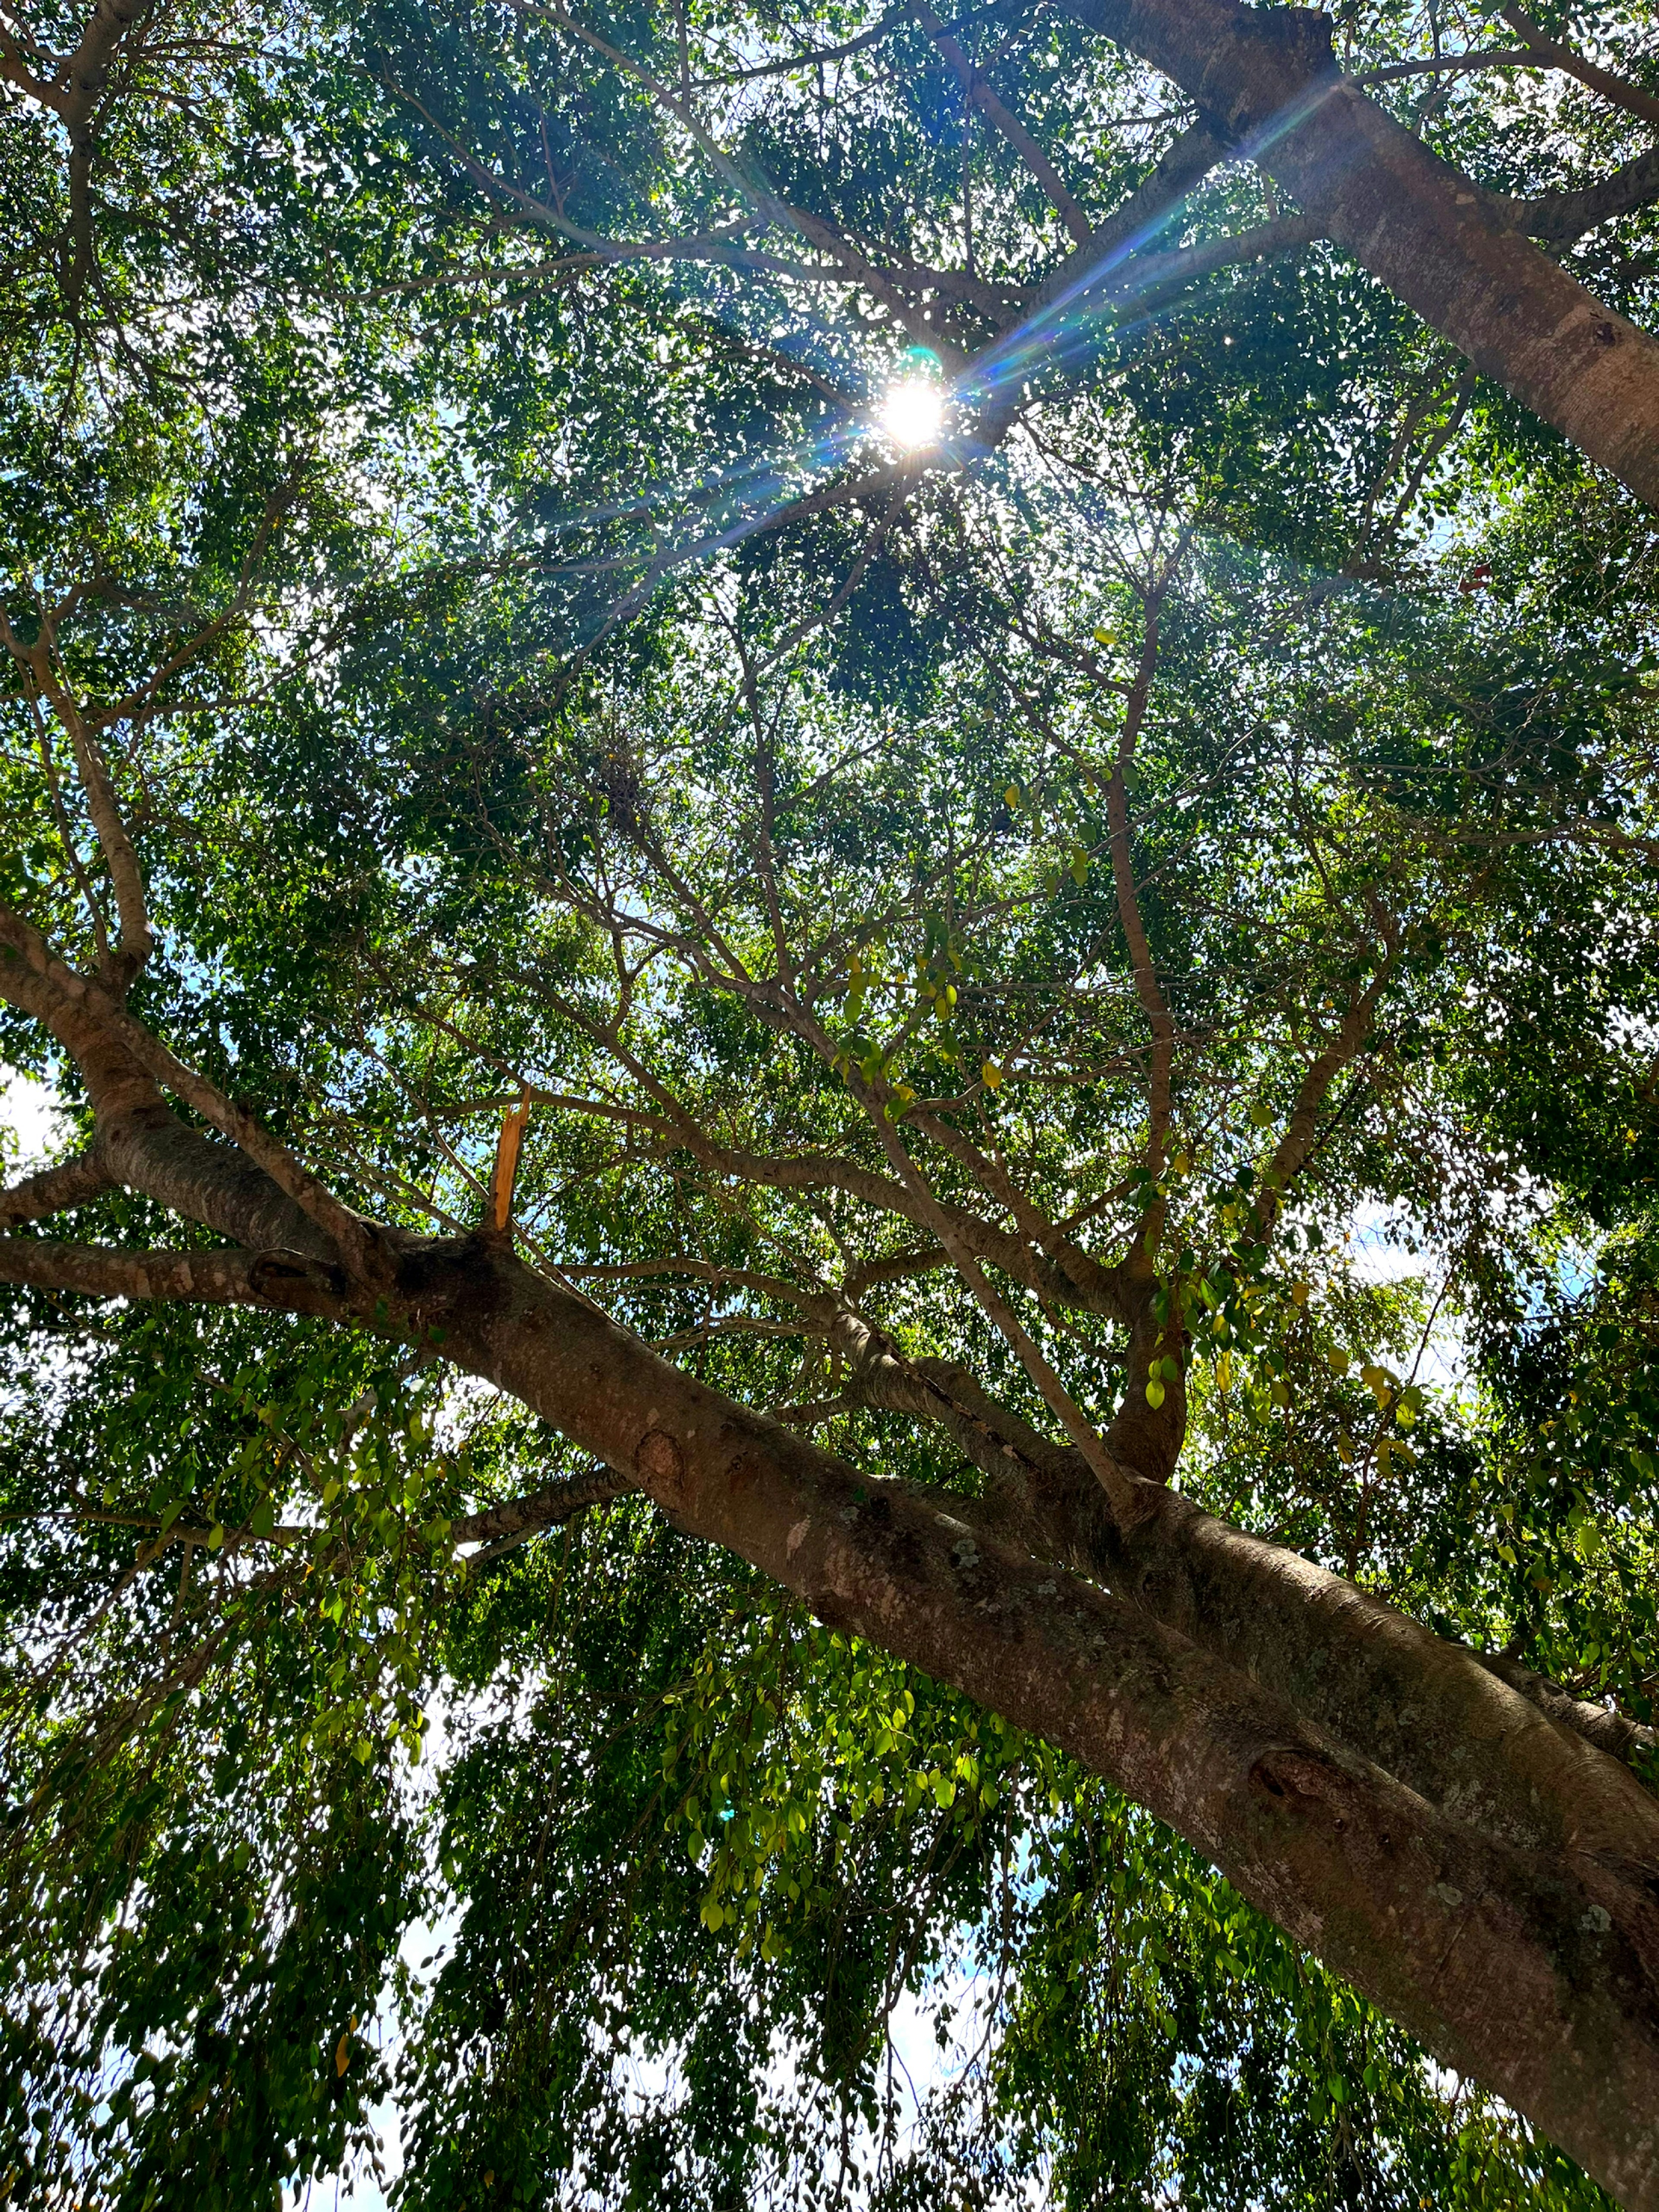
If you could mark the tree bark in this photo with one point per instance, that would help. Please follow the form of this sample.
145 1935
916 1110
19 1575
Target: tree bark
1484 1741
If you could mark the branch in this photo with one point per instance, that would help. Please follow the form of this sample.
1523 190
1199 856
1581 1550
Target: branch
819 1302
1561 217
981 95
810 57
1343 1656
1616 1734
54 1190
1296 1146
780 212
1177 172
1621 93
86 1020
1119 1487
286 1281
1041 1492
1032 1225
1266 81
1148 989
1346 1858
73 90
497 1529
1149 273
1447 65
1091 1291
125 875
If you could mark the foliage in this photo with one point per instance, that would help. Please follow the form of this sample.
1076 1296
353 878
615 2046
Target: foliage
496 714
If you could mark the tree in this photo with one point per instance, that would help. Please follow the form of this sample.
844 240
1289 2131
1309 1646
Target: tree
719 1070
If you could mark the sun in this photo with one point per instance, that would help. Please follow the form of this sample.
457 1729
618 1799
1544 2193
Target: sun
913 414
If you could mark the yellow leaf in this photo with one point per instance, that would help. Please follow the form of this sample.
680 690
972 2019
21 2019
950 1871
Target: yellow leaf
991 1075
1154 1393
342 2054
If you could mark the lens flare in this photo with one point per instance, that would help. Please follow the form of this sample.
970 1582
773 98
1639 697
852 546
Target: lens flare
913 414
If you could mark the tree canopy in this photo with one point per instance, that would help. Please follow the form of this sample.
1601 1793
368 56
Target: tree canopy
833 832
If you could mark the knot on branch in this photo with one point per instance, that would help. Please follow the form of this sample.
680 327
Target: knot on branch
440 1274
1303 1785
1270 58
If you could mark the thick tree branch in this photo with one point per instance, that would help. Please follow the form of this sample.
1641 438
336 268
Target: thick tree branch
1389 1687
75 84
1561 217
1041 1492
287 1281
1266 81
104 1039
1386 1888
1614 1733
1080 1281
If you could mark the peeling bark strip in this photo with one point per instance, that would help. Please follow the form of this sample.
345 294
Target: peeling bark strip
1267 80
